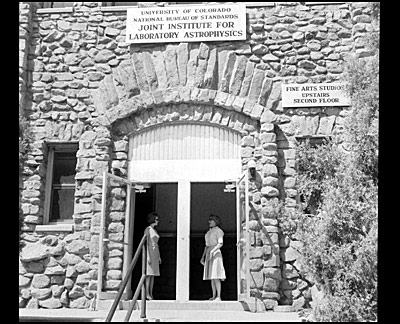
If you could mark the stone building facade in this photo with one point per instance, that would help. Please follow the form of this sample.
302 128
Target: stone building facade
80 83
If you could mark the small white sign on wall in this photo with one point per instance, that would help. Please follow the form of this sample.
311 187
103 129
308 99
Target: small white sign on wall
314 94
192 23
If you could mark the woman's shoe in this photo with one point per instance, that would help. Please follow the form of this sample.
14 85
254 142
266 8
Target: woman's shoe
217 299
149 298
212 298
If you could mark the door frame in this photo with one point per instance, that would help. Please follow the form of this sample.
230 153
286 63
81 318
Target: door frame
183 241
243 237
183 233
130 199
183 172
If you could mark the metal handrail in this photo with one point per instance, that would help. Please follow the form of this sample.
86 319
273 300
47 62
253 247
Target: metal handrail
140 285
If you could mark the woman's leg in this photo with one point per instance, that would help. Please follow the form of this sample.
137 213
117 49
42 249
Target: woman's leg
213 288
217 284
148 280
151 286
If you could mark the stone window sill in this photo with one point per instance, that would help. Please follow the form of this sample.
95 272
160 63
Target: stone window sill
67 227
321 3
260 4
54 10
116 8
314 140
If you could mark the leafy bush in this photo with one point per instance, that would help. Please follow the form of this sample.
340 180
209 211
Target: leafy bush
316 166
340 249
288 219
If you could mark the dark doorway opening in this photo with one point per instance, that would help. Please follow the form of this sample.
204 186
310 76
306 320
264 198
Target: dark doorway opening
209 198
161 198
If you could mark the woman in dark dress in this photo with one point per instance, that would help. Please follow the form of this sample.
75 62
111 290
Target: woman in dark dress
153 254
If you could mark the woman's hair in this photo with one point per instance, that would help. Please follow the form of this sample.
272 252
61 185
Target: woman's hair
151 218
216 218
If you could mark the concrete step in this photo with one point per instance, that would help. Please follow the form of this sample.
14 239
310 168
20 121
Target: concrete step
176 305
83 315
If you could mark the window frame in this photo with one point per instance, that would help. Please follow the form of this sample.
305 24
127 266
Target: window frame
52 148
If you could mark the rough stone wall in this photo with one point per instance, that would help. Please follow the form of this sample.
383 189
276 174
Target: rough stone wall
295 287
25 22
331 35
89 86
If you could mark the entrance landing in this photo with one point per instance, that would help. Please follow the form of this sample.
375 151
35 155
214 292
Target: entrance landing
176 305
252 305
83 315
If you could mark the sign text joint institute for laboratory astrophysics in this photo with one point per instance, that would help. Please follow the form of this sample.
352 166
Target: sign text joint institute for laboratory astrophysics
182 24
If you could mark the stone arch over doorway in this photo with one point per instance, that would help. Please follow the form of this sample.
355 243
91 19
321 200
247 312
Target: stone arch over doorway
205 84
176 113
197 73
188 81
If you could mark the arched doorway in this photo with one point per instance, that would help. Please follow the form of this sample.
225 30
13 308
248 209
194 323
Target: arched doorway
185 166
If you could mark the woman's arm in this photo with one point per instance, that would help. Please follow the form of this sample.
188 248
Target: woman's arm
215 249
148 242
220 238
203 257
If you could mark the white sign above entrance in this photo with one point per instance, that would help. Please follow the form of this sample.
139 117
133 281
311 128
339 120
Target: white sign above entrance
314 94
192 23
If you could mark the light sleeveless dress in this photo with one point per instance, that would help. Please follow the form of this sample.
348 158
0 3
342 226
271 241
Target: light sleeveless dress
153 252
214 267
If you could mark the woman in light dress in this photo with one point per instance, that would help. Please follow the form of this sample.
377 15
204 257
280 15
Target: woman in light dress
153 254
212 257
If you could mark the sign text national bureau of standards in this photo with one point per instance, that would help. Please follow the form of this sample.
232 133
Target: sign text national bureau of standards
314 94
186 24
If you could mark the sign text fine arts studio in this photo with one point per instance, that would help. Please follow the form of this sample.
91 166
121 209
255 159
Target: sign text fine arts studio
314 94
